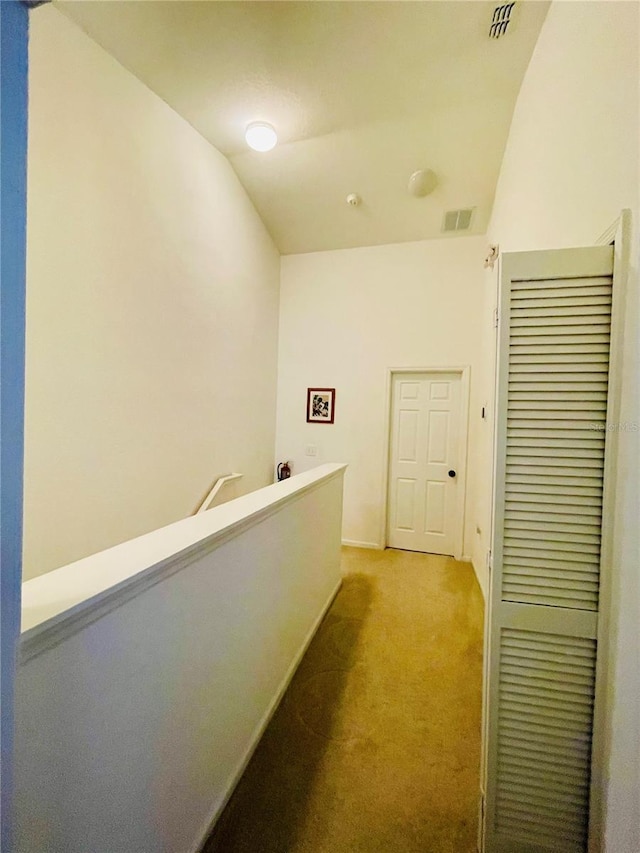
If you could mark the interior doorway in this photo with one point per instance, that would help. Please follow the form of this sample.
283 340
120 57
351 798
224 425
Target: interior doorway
427 460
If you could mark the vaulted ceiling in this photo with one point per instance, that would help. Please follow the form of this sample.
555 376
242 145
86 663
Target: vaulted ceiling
362 94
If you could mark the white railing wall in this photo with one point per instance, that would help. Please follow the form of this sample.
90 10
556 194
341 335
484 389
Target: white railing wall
149 671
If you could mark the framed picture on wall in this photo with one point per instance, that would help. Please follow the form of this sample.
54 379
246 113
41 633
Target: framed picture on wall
321 404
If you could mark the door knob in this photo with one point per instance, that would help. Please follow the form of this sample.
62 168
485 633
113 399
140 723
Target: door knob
452 473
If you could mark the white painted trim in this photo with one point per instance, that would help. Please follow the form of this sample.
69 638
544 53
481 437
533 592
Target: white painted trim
219 483
371 546
261 727
487 592
386 461
465 389
620 234
60 603
465 373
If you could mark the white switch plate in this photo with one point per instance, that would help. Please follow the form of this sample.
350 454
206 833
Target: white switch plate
311 450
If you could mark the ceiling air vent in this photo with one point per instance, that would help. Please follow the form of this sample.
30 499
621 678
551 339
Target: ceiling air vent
500 20
457 220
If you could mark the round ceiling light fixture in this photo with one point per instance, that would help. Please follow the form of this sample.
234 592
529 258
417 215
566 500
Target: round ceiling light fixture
261 136
422 182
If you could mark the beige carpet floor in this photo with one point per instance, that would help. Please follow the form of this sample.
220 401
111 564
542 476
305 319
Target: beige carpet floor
375 747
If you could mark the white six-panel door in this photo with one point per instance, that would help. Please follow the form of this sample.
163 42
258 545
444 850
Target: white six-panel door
424 474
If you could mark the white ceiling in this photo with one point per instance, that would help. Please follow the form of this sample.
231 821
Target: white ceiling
362 94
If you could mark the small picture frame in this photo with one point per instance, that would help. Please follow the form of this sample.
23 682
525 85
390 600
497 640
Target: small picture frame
321 403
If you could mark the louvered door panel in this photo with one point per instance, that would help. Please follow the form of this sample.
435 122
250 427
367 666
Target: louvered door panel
555 318
546 710
545 386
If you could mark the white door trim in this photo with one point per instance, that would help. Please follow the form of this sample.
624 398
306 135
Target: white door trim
464 373
619 233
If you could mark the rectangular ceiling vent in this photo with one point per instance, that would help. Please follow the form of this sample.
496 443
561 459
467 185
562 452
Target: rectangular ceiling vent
457 220
500 20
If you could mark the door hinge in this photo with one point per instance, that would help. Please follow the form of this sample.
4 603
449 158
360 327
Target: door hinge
496 318
489 559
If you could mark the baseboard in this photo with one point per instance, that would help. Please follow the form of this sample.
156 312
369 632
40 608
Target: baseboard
260 728
465 559
353 543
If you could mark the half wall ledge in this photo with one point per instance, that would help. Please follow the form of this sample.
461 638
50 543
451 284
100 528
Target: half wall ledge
149 671
60 603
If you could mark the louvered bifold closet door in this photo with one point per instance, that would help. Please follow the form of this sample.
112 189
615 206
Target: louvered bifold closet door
555 323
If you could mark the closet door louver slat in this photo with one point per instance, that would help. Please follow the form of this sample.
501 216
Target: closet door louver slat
555 323
545 800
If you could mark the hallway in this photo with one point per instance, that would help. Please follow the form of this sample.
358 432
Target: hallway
376 744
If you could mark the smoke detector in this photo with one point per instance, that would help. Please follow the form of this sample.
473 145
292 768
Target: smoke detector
500 20
457 220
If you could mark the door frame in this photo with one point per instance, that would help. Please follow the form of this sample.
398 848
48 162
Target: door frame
464 372
619 236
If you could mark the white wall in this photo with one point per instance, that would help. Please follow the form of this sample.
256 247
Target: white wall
137 709
152 309
485 435
570 166
348 316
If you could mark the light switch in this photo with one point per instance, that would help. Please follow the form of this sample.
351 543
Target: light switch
311 450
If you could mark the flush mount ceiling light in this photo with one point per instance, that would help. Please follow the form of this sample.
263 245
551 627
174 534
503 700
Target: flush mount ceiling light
261 136
422 182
